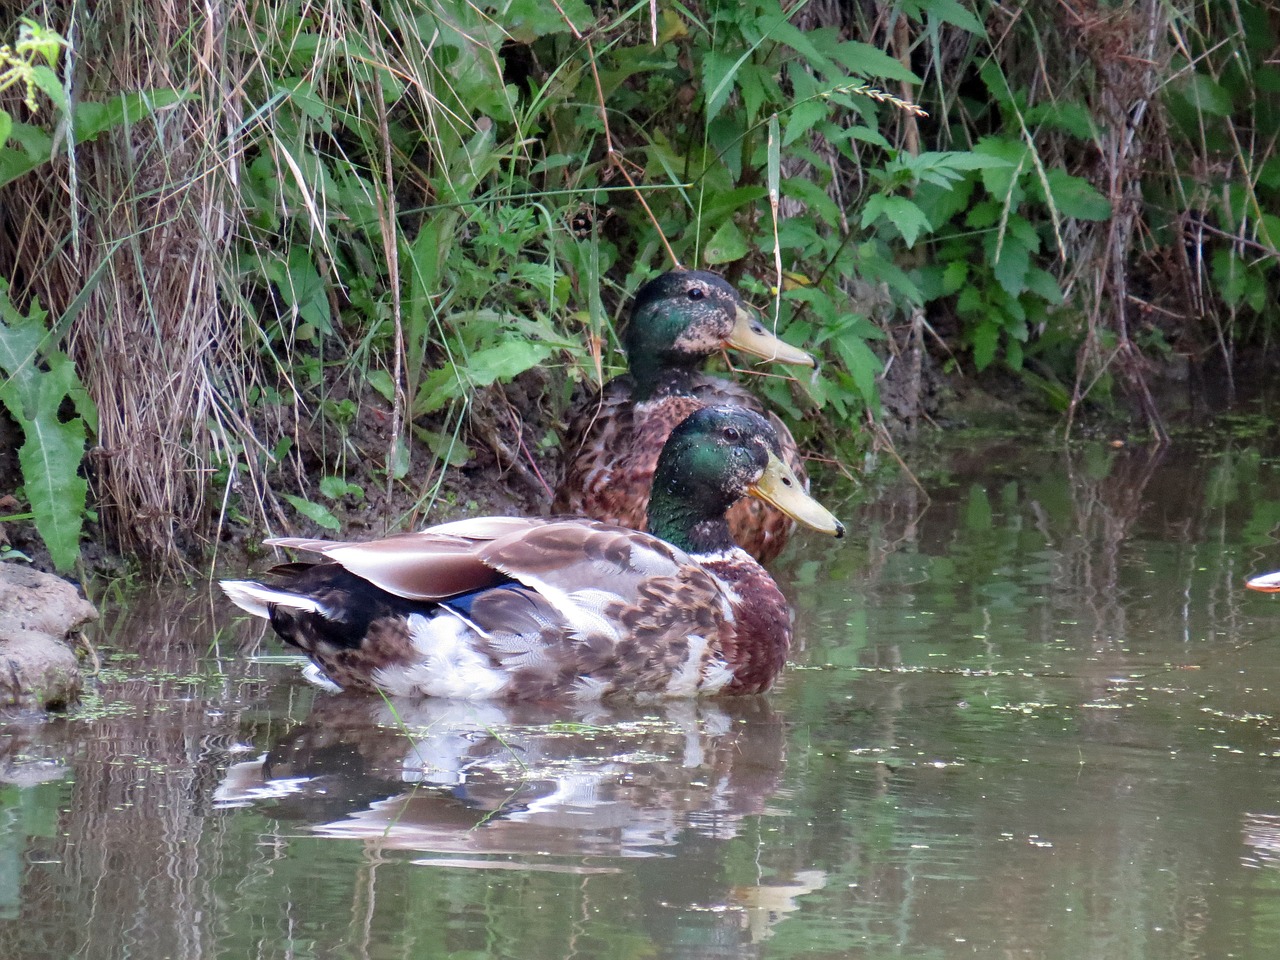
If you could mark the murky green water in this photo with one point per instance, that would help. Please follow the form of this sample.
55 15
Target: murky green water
1034 717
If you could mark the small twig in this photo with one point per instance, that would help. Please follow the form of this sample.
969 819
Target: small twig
391 249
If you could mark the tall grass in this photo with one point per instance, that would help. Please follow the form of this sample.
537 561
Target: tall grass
371 244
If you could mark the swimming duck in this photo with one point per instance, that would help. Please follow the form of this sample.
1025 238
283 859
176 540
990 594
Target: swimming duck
545 609
678 320
1265 582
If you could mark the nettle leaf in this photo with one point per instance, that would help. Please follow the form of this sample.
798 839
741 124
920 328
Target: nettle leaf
47 81
32 148
1077 197
803 117
1000 181
722 203
939 204
1074 118
314 512
814 197
951 11
527 20
865 134
901 212
303 93
1044 285
868 61
755 85
861 362
779 30
481 368
1010 269
718 72
1206 95
93 119
300 285
986 338
954 276
6 124
726 245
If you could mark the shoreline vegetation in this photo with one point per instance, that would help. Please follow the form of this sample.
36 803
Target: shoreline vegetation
272 268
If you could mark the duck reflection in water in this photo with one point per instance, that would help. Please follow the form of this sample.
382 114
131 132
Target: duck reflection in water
522 786
618 780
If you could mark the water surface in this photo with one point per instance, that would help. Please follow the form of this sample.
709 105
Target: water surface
1032 714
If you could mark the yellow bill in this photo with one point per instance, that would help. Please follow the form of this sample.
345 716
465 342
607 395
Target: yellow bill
779 487
751 336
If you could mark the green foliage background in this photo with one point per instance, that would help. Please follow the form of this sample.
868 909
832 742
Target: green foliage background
318 244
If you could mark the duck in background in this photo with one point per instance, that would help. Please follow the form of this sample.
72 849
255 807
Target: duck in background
678 321
561 608
1265 583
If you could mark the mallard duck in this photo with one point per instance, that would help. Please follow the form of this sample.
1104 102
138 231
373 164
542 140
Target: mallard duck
678 320
1265 582
543 609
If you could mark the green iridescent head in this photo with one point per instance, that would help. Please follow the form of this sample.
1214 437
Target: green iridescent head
683 317
712 459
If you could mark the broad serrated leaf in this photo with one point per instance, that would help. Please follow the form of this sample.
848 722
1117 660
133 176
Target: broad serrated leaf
20 343
50 458
1206 95
528 20
381 381
302 288
814 197
726 245
718 71
30 147
60 380
315 512
94 118
1074 118
480 369
803 117
862 363
868 61
1001 181
46 80
951 11
1077 197
446 447
1014 259
907 217
335 487
6 124
954 277
1044 285
985 340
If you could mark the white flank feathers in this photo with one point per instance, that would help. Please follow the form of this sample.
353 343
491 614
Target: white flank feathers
684 681
449 668
254 598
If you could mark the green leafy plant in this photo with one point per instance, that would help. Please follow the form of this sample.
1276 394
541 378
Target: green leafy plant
40 383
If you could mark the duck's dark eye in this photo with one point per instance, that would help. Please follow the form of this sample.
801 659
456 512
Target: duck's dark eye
696 293
732 435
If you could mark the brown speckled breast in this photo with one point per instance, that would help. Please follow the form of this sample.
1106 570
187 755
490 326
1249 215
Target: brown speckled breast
613 446
755 644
